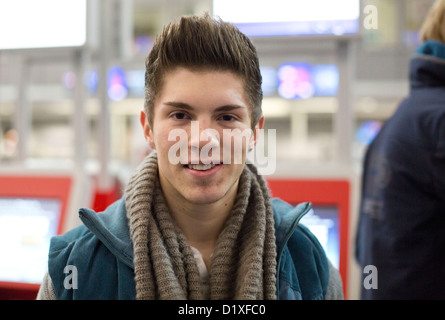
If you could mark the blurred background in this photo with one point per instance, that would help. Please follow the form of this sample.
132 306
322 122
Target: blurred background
72 87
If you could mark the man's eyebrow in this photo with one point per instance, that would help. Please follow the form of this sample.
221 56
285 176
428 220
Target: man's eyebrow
229 107
183 105
179 105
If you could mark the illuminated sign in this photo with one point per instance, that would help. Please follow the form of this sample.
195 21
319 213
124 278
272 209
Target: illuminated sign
117 84
264 18
26 24
325 79
302 80
295 81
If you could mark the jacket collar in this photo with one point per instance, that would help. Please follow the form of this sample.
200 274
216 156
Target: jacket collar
286 219
432 48
111 226
427 68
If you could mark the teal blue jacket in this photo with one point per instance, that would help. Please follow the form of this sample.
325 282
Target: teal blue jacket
102 252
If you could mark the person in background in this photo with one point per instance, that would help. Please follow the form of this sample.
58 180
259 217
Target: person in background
401 230
195 230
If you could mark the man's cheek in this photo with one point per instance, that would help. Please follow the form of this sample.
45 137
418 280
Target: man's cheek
177 146
234 146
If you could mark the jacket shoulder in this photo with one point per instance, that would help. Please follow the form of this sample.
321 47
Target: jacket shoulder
81 266
311 263
66 260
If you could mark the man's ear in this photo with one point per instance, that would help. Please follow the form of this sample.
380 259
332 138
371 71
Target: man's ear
256 132
148 133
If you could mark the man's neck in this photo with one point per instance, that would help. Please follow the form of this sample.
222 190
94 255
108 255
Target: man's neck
201 223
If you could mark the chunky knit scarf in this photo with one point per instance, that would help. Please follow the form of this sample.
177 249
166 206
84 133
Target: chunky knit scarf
243 264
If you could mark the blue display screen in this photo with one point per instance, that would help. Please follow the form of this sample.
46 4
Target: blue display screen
26 227
323 222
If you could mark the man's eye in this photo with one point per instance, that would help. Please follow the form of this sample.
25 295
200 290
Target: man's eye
227 117
179 116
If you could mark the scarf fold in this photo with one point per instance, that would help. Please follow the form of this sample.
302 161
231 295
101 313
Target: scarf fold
243 264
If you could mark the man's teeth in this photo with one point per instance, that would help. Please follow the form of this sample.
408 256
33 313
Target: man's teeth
201 167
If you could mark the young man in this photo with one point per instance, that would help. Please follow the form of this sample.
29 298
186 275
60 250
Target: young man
196 221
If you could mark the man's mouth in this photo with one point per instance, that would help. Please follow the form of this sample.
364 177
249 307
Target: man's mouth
200 167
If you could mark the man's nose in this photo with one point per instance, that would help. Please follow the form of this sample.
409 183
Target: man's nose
202 134
209 137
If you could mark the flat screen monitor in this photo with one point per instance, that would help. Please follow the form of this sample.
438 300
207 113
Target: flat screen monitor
26 227
265 18
329 219
322 221
32 210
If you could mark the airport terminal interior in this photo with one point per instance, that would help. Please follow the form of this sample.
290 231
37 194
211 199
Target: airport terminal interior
70 134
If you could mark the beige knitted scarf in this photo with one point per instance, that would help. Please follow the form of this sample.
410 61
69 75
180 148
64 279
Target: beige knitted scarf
243 264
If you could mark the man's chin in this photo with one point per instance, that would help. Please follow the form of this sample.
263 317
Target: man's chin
204 198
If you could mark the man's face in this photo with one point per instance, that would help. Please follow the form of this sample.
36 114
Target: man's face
211 110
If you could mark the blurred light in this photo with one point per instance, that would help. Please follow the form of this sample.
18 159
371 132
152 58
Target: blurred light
69 80
295 81
143 44
11 140
325 78
269 80
117 84
367 131
90 80
136 82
